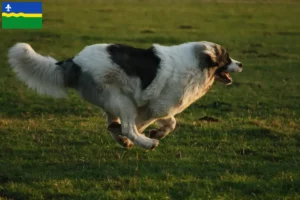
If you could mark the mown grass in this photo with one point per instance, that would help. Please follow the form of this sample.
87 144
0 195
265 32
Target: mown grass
59 148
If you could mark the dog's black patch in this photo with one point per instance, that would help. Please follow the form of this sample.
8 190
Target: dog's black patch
71 72
142 63
83 82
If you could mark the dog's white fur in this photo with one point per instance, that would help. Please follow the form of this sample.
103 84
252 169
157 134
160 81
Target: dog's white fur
179 82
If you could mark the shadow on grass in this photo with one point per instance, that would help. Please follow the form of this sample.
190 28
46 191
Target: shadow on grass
212 169
113 175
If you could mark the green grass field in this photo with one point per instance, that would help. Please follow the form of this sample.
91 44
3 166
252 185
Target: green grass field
60 149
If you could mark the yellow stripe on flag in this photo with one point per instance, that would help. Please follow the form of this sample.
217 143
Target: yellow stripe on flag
21 15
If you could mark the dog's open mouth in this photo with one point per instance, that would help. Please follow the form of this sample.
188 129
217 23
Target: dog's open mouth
223 77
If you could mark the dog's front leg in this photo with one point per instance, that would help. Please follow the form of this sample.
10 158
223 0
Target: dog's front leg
168 125
128 113
130 131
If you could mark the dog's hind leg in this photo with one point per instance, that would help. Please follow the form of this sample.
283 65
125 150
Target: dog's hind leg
141 125
168 125
114 128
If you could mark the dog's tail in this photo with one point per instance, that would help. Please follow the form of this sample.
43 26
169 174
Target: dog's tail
40 73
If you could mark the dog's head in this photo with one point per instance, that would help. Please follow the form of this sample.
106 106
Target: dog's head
216 59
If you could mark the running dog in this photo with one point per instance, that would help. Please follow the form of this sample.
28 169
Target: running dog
135 87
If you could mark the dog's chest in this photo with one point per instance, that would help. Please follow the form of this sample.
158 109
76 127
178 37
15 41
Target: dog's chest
191 94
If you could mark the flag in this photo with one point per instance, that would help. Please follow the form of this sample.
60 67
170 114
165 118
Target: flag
22 15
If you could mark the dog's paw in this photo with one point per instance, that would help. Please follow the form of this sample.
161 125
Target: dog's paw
115 131
155 144
125 142
156 134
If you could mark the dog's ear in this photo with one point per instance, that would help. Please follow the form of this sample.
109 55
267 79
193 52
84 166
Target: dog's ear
210 58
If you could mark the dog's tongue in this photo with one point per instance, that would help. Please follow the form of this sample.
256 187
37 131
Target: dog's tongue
224 77
227 76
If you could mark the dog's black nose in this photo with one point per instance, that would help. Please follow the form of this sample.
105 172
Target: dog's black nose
240 65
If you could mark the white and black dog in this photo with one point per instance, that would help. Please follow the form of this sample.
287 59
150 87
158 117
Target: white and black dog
135 87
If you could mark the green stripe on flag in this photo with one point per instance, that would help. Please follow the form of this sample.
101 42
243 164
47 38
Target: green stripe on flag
21 22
